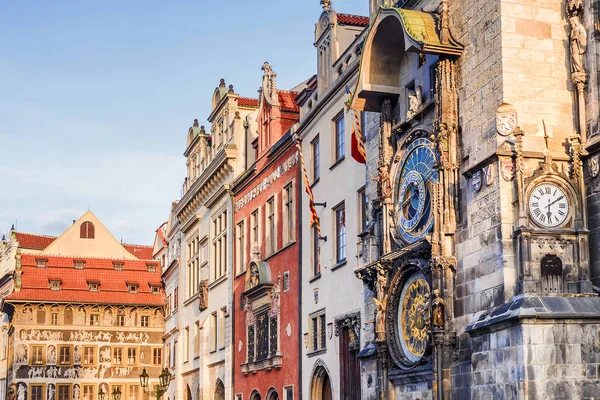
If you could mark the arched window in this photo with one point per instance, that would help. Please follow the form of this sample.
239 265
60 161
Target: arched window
41 314
272 394
255 395
68 315
219 390
552 274
86 231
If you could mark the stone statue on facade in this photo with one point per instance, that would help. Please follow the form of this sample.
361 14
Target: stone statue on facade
380 318
383 178
578 44
21 392
51 357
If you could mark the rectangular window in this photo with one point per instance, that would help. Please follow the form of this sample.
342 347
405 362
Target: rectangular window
186 344
192 268
197 340
63 392
94 319
54 318
288 393
157 356
88 392
288 214
176 298
317 331
37 392
168 305
316 251
117 356
89 355
120 320
362 209
37 355
222 328
64 355
134 392
241 247
316 159
254 221
174 354
219 243
145 321
132 356
340 233
213 332
339 137
271 239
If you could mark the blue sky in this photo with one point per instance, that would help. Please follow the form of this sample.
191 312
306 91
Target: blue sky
96 98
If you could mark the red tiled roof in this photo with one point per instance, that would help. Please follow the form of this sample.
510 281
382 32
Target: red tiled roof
287 101
247 102
140 251
74 288
34 242
355 20
161 236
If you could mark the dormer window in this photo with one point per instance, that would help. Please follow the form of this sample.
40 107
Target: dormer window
118 265
55 284
41 262
79 264
86 230
132 287
155 289
93 286
151 267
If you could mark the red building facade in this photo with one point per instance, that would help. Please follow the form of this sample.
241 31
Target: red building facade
266 292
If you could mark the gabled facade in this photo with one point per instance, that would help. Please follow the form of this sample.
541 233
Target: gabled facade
85 315
267 275
203 349
332 318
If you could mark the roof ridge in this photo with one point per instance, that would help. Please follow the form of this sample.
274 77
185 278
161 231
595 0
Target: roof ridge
353 15
74 257
37 234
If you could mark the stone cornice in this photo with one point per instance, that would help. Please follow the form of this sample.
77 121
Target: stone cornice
211 179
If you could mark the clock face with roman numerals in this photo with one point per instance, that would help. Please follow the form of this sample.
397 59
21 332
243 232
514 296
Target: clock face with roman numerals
548 205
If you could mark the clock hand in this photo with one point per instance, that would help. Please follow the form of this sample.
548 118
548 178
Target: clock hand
560 198
549 214
409 199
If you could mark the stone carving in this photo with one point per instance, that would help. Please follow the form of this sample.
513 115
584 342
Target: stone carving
578 44
383 178
326 4
77 355
507 170
476 181
50 391
53 372
86 336
21 353
488 172
414 102
37 372
11 393
121 371
76 392
593 166
51 355
21 392
254 276
438 311
41 335
506 119
203 295
352 323
105 354
88 373
71 373
380 317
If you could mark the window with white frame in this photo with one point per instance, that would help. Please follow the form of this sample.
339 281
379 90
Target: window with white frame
186 344
254 221
241 246
192 267
363 204
317 329
289 213
219 245
340 233
222 314
340 139
213 332
316 159
315 250
271 236
197 340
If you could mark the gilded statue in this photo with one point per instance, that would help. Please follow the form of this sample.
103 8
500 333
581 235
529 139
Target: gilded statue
383 178
380 317
438 311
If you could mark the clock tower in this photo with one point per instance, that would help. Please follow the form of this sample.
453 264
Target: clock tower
476 263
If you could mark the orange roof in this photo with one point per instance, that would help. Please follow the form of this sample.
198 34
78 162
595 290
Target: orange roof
287 101
34 242
113 287
247 102
140 251
355 20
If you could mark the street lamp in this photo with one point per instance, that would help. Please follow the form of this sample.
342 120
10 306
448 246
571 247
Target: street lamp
116 394
164 379
101 394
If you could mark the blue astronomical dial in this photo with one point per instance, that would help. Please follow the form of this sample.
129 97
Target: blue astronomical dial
413 184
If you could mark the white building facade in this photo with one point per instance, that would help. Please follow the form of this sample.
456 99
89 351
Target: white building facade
331 304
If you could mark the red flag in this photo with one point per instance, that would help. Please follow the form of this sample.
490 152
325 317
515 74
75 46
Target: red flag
357 142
